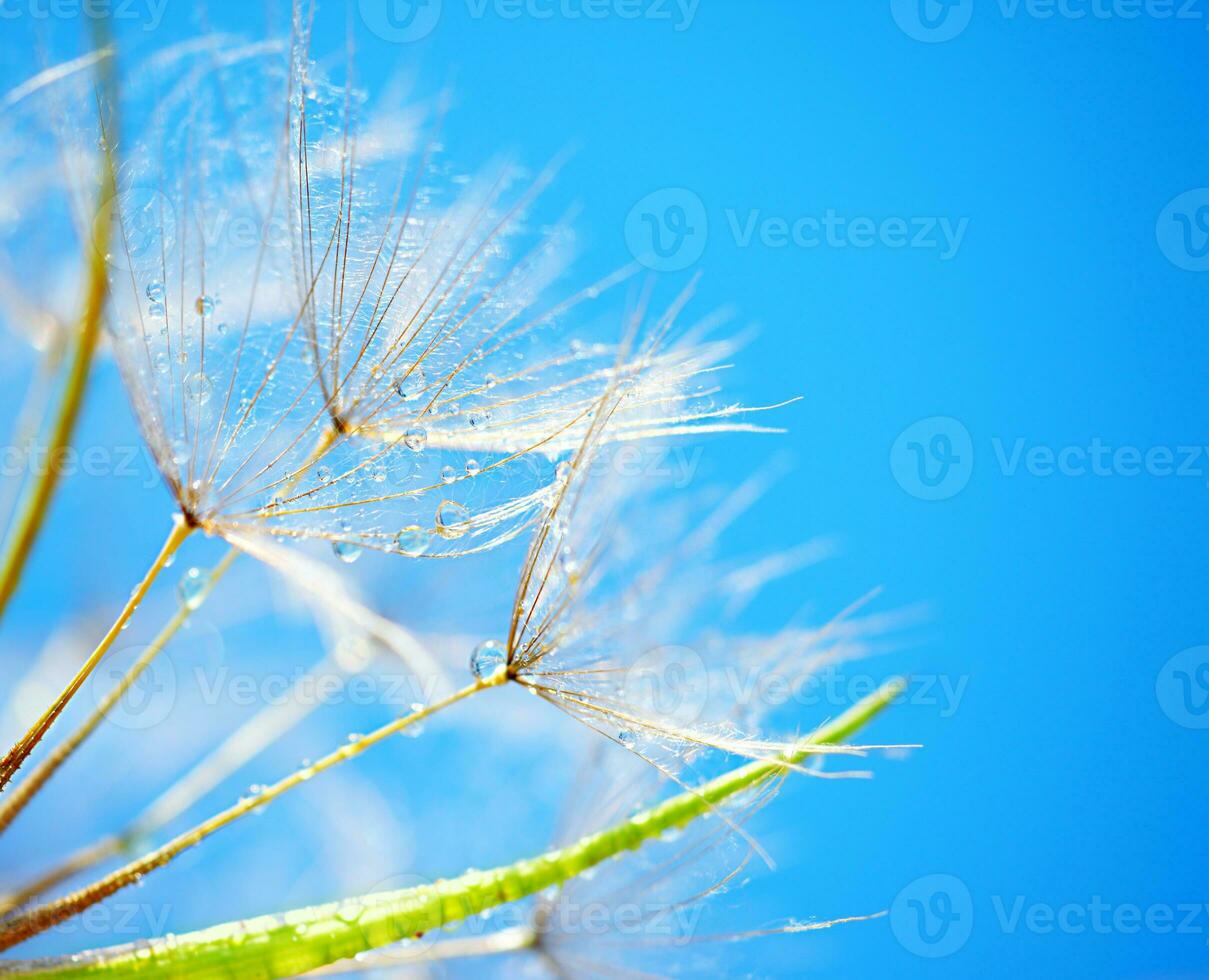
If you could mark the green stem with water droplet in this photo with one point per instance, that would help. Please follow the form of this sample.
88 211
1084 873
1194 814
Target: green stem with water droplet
306 939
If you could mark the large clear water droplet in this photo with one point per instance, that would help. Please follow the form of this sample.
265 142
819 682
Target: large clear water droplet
192 588
473 468
448 474
204 305
415 439
488 658
410 386
453 519
347 551
198 387
413 541
155 291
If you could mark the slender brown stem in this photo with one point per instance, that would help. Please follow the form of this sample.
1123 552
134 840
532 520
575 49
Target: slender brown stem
34 509
13 802
17 755
20 927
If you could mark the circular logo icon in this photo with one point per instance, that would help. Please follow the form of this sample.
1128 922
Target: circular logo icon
1182 688
667 229
670 682
139 702
1182 230
932 21
933 458
400 21
933 916
141 223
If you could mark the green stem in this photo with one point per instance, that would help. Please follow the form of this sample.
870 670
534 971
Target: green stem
307 939
19 927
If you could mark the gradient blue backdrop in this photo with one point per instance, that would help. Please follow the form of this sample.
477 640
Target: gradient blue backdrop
1061 318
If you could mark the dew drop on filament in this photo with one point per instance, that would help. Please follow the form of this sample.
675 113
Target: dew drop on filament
192 588
347 551
488 659
413 541
453 519
197 387
415 439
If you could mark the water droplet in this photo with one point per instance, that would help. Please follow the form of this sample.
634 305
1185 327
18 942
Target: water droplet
410 386
347 551
478 419
448 474
156 310
197 387
222 329
453 519
413 540
415 439
192 588
562 472
354 737
472 467
204 305
323 474
625 737
416 728
488 658
377 472
155 291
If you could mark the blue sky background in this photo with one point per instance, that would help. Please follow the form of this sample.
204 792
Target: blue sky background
1070 770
